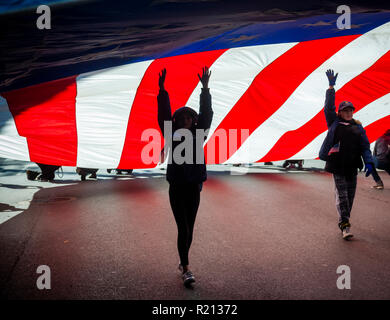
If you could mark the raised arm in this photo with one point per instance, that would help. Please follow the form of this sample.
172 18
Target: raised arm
330 108
205 110
164 106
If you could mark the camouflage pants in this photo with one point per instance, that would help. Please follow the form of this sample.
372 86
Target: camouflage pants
345 188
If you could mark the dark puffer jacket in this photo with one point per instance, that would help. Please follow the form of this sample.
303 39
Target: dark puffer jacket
186 172
382 149
352 142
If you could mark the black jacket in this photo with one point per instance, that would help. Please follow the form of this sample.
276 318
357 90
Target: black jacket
382 149
344 144
186 172
348 159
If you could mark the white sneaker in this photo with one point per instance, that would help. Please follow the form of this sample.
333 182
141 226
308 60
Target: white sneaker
347 233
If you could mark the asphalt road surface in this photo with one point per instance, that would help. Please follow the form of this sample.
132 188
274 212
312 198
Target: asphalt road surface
266 234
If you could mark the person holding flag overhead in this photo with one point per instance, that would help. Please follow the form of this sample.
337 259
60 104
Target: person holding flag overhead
185 178
345 145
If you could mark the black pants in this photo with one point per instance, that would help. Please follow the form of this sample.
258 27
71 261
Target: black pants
384 165
184 199
48 171
85 171
376 176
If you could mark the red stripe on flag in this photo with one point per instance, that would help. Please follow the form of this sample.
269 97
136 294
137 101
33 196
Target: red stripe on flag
367 87
181 81
275 83
378 128
46 115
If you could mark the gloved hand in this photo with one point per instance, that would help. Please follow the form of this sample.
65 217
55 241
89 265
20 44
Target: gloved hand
331 77
368 169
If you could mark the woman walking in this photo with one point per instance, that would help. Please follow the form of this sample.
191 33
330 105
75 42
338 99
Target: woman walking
381 157
343 148
185 178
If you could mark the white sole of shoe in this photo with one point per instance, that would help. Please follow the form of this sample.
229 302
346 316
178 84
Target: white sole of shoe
348 236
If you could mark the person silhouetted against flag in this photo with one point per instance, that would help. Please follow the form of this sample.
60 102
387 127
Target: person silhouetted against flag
185 178
47 173
84 172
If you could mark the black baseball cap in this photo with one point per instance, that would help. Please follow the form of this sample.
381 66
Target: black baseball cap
346 104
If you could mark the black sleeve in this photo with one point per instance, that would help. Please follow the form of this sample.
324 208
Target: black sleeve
164 109
205 110
330 108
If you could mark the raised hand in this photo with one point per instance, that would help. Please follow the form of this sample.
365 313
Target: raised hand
161 78
331 77
204 78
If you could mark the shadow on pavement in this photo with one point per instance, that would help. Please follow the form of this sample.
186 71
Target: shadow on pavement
71 211
7 207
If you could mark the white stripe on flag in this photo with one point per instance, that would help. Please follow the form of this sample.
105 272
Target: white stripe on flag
308 99
232 74
103 105
12 145
374 111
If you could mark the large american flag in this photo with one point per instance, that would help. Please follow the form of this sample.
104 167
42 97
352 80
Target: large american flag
266 78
